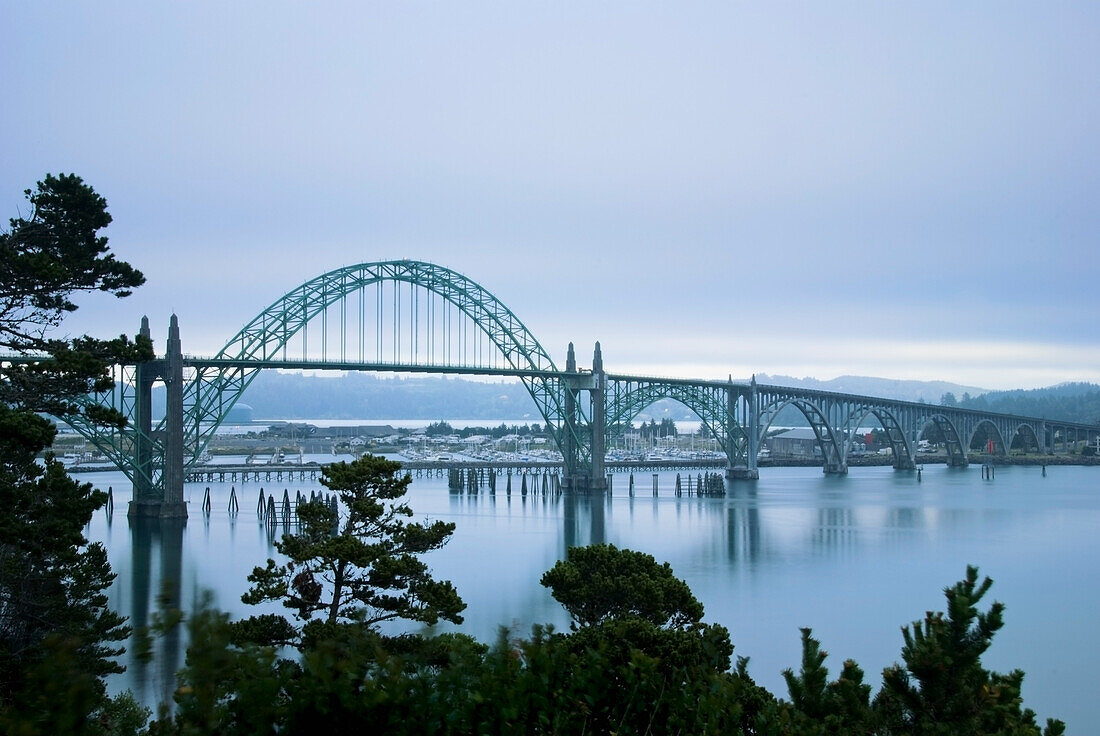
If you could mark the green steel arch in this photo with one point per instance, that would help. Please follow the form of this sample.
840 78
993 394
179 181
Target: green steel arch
118 443
627 398
215 390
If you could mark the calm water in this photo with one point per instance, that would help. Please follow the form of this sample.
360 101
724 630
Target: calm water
854 557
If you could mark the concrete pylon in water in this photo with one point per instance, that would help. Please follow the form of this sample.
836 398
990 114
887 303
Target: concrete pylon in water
160 497
584 475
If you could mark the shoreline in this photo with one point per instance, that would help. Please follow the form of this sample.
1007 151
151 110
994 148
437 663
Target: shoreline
793 462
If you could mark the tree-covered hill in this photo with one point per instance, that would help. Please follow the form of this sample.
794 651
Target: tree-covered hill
1071 402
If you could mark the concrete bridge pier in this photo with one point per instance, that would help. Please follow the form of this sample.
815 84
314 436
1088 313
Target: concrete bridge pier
174 506
163 500
582 476
145 495
597 477
906 460
835 468
747 469
572 480
569 425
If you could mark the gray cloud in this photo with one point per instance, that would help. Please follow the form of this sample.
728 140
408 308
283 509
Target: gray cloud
925 173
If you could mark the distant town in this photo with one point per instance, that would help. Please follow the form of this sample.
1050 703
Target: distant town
293 442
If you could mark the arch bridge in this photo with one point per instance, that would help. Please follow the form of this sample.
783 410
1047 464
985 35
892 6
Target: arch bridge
412 316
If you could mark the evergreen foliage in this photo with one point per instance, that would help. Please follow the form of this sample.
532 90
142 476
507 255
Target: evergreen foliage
619 673
58 638
53 253
821 707
45 259
364 569
942 688
57 635
1070 402
602 582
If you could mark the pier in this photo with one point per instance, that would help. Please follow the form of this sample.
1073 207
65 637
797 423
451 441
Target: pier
430 469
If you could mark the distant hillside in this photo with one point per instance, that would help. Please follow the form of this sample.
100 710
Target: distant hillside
275 395
371 396
927 391
1072 402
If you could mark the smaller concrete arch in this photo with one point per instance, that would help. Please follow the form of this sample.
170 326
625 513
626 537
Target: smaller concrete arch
835 462
956 452
900 446
1027 435
993 432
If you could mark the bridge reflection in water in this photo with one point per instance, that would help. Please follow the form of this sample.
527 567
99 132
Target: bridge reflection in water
156 576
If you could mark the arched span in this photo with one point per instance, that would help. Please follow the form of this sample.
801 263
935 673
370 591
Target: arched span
626 399
956 451
1028 436
826 436
1000 447
266 335
214 391
900 446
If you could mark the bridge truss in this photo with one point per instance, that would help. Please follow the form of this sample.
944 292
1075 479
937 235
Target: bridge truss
411 316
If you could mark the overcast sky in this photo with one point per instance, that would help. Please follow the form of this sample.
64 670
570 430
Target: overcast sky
812 189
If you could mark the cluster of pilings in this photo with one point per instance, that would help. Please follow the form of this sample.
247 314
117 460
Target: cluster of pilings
472 480
286 511
234 504
703 484
267 508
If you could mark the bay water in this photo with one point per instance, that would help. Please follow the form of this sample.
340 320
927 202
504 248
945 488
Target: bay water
853 557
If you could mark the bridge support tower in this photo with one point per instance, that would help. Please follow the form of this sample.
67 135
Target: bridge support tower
159 494
584 474
748 469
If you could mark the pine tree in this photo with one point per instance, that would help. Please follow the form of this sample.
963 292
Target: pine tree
840 707
943 689
362 569
602 582
57 635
